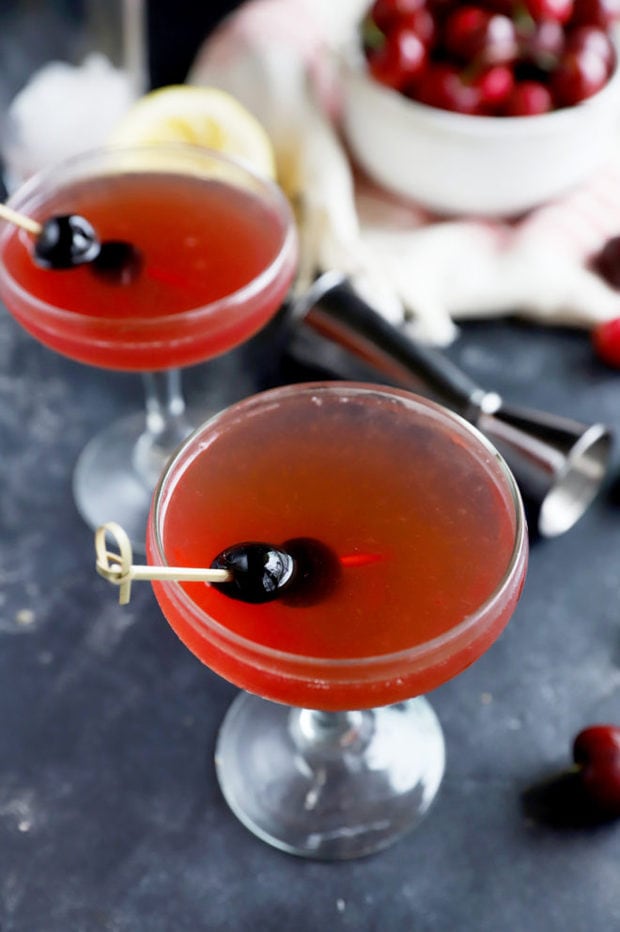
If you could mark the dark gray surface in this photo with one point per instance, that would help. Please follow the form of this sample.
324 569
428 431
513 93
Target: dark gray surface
110 816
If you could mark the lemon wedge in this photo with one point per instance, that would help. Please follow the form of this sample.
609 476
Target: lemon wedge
203 116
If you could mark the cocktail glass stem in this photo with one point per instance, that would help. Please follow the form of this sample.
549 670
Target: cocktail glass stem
167 424
118 469
329 785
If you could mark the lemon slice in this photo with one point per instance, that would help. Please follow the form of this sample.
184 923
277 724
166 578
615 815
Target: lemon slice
203 116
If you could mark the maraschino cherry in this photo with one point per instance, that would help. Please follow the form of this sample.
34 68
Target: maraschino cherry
66 241
260 571
69 240
301 571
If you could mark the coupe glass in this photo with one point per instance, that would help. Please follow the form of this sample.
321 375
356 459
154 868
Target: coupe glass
411 544
215 253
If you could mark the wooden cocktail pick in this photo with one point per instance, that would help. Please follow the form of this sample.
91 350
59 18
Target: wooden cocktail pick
20 220
119 570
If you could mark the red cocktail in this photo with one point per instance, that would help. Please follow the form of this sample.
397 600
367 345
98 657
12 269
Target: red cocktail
213 253
212 269
416 545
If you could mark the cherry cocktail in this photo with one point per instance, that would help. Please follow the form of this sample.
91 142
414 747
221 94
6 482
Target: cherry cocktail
196 256
407 534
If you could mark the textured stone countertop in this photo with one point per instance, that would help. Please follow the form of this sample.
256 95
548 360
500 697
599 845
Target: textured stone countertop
110 815
111 819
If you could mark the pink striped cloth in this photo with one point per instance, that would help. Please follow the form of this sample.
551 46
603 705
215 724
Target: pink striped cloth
581 222
578 224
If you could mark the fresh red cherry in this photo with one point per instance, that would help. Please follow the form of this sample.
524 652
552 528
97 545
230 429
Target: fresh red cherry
606 341
603 13
542 45
596 751
558 10
495 86
528 98
593 39
423 24
442 8
578 76
507 7
474 34
556 53
400 60
444 86
386 13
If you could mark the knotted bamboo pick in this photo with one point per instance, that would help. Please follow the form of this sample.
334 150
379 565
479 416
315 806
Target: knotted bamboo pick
20 220
119 569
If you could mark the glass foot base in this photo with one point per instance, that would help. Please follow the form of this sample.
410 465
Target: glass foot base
108 486
329 785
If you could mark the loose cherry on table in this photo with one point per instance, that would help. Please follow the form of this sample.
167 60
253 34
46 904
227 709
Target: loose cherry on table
606 341
596 752
606 335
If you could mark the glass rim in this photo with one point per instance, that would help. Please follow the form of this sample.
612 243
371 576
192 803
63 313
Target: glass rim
267 189
417 651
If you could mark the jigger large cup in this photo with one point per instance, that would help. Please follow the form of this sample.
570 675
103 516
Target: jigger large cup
559 463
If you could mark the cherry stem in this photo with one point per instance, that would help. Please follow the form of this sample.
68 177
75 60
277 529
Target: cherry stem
20 220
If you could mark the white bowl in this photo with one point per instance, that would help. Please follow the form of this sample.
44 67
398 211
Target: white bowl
458 164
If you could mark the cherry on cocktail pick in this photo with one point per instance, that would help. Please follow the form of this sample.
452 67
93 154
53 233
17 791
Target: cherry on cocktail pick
117 261
260 572
118 568
68 240
301 572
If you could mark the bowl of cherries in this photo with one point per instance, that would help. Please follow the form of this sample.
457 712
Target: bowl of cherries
489 108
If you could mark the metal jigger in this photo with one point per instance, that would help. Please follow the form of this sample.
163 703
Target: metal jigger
559 463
